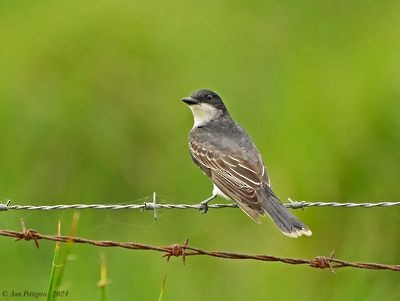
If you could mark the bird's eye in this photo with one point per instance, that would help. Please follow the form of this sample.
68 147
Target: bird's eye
209 97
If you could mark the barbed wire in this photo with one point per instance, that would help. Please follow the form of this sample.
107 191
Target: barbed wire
184 250
155 206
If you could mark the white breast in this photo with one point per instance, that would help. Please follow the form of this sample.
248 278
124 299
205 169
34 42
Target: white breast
204 113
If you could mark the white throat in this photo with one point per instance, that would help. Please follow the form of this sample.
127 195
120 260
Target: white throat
203 113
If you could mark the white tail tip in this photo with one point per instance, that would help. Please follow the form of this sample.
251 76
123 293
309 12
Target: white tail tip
298 233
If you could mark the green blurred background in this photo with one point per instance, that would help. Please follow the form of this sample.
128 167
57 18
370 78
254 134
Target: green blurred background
90 112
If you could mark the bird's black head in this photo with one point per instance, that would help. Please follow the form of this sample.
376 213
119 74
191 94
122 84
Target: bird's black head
205 96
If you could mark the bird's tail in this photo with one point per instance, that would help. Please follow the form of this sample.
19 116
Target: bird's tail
289 224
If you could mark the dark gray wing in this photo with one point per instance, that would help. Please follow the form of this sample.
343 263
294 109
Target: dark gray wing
237 177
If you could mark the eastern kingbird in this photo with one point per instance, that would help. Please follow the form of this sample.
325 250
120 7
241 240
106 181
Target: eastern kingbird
228 156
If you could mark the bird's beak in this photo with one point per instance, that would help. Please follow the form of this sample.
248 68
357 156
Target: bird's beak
190 100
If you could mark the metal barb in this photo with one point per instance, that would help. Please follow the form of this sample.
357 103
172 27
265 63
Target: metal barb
154 204
177 251
28 234
4 207
295 204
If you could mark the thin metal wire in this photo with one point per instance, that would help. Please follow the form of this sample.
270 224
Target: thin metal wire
155 206
184 250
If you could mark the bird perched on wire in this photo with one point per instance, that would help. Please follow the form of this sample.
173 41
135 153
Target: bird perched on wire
227 155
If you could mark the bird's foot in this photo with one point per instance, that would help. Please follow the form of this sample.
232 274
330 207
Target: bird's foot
203 207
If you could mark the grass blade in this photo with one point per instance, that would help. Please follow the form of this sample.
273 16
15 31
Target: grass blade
50 291
162 288
103 278
67 248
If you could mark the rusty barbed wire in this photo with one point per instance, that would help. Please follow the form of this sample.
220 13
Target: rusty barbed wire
185 250
154 205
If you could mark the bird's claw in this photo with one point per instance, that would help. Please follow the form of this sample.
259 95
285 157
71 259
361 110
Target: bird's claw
203 207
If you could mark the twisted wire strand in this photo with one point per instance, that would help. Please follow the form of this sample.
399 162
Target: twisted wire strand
184 250
155 206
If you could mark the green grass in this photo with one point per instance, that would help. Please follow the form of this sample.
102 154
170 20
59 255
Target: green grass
51 296
162 290
67 250
57 269
102 283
